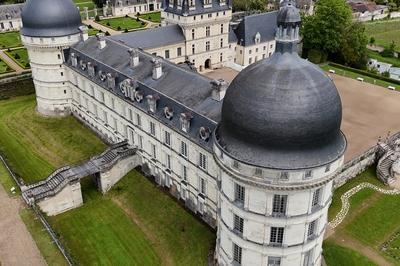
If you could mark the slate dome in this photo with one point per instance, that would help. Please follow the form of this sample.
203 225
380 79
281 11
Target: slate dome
50 18
282 112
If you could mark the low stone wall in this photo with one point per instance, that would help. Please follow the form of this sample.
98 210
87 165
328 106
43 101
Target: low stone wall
356 166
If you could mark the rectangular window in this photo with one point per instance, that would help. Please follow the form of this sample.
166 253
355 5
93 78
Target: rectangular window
102 97
235 164
138 120
112 103
193 34
167 138
193 49
202 185
284 176
179 51
141 142
276 237
202 161
316 198
152 128
184 172
250 61
222 43
308 174
207 31
207 46
168 161
237 254
328 168
184 150
311 229
153 151
239 193
130 115
274 261
222 28
258 172
279 205
238 224
166 54
105 118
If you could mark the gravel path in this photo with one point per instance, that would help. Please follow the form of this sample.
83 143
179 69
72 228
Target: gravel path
17 246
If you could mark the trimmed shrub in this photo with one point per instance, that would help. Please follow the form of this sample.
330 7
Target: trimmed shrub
27 65
16 56
108 24
126 30
137 19
97 18
107 33
119 28
90 27
143 23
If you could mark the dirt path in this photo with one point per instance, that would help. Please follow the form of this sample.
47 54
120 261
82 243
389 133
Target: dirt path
17 246
156 243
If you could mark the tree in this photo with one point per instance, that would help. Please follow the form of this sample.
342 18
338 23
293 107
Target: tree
323 31
372 41
353 47
99 3
249 5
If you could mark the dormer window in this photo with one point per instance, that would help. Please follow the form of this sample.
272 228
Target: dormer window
168 113
152 102
74 60
185 121
258 172
257 38
204 133
83 65
128 87
110 81
308 174
138 96
102 76
91 69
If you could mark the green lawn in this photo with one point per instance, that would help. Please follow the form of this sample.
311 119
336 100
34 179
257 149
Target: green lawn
369 176
123 22
99 233
20 56
4 68
153 17
49 250
389 60
393 249
93 31
179 235
82 5
336 255
376 223
384 32
354 75
10 39
6 180
35 145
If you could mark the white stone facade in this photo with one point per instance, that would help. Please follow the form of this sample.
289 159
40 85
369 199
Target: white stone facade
10 24
122 7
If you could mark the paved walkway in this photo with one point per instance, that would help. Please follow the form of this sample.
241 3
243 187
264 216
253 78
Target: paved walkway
17 246
101 27
11 62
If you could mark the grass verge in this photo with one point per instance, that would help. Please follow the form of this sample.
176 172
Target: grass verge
122 23
384 32
153 17
10 40
43 241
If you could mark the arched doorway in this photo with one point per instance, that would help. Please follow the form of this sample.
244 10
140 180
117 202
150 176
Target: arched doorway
207 64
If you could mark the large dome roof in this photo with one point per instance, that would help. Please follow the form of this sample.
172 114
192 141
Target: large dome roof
284 113
50 18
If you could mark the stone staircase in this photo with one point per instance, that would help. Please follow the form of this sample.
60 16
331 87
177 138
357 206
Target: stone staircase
65 175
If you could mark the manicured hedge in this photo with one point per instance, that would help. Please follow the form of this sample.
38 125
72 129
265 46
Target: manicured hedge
366 73
16 88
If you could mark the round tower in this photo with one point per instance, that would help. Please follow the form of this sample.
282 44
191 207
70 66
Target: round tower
278 145
49 27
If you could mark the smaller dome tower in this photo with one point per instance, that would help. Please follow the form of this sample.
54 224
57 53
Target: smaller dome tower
49 27
278 146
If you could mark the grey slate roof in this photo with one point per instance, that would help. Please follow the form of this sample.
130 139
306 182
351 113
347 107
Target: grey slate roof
10 11
50 18
151 38
264 23
182 90
199 7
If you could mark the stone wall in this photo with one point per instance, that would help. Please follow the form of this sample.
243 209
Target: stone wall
356 166
112 176
68 198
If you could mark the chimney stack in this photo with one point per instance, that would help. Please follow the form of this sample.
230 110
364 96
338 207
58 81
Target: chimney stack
84 33
101 41
134 57
157 69
219 89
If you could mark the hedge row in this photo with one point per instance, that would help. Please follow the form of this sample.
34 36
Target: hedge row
365 73
16 88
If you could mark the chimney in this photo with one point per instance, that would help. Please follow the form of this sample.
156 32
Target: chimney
134 57
101 41
157 69
84 33
219 88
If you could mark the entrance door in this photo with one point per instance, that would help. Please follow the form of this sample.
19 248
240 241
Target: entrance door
207 64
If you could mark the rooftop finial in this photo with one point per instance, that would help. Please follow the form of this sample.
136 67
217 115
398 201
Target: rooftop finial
288 27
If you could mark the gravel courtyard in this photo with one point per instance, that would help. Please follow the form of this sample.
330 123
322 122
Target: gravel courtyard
369 111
